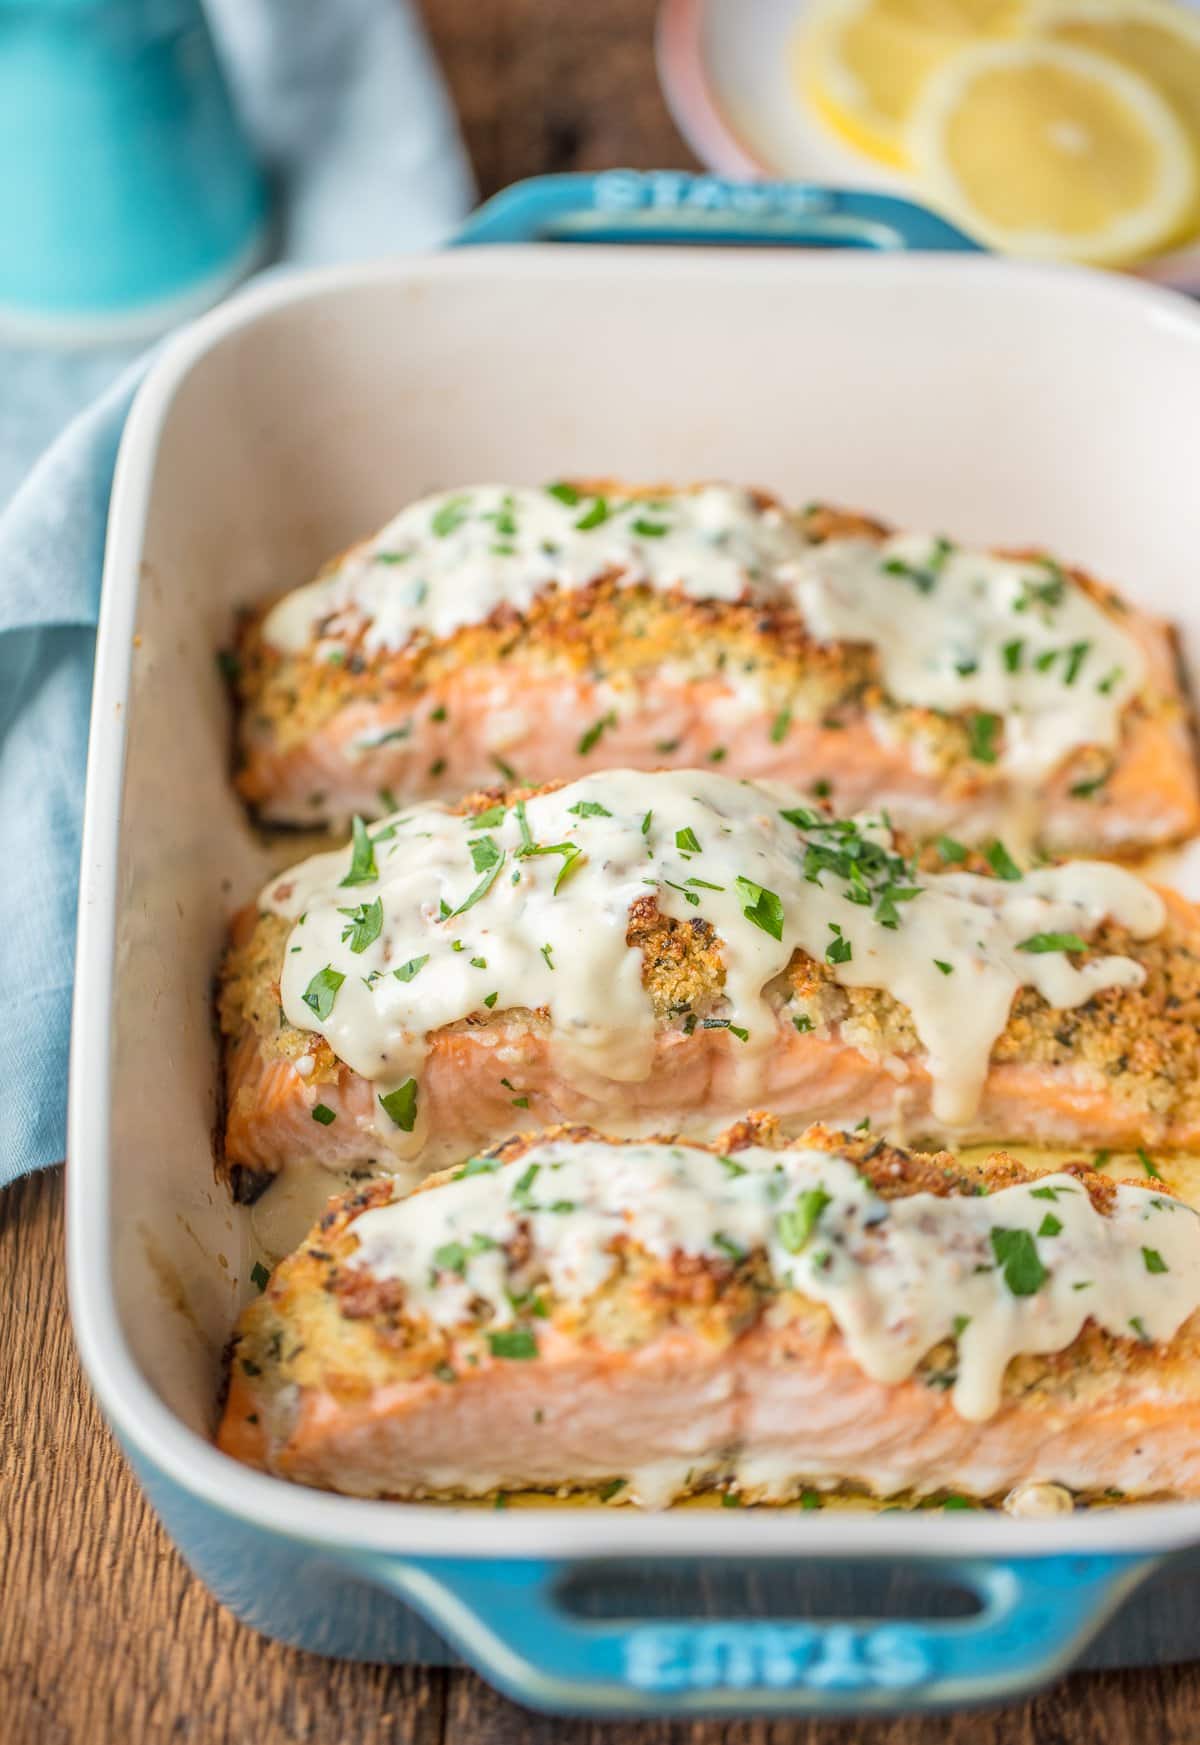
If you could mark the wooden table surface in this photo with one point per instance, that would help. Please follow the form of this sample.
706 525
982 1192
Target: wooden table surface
104 1635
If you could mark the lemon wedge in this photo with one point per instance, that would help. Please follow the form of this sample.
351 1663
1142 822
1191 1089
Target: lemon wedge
1157 40
1048 150
860 64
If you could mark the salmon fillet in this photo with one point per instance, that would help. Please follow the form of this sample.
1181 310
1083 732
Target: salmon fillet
1118 1069
482 1335
621 673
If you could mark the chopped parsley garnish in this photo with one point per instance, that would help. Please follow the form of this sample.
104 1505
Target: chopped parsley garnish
362 857
1050 1225
546 951
450 1257
444 1372
487 858
924 577
489 1000
322 991
1110 681
960 1325
479 963
401 1105
981 736
1148 1164
596 516
609 1491
259 1275
730 1165
946 968
489 819
451 515
589 809
478 1165
565 493
728 1246
1086 789
646 822
730 1500
811 1500
761 906
649 529
1016 1253
724 1024
688 896
413 967
717 754
1012 655
797 1224
323 1115
570 851
950 850
686 840
1139 1327
1076 655
591 738
1049 593
1002 863
838 950
780 726
513 1342
366 924
1039 942
1154 1260
506 769
803 1023
520 1102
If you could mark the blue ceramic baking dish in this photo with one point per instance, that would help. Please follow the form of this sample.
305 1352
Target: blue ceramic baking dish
272 433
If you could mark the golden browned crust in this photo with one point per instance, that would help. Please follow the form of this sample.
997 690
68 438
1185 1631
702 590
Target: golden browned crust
324 1323
1144 1043
611 628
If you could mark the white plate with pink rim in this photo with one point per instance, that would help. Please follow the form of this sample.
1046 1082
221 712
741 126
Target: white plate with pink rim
726 68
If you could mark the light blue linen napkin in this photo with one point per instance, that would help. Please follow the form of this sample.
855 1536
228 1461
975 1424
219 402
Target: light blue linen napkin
348 114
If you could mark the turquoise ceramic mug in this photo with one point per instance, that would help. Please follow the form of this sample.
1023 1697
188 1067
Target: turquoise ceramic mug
128 195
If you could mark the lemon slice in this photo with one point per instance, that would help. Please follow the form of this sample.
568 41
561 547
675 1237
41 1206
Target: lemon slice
860 64
1047 150
1161 42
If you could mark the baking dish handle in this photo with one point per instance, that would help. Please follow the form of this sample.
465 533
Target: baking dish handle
674 206
507 1618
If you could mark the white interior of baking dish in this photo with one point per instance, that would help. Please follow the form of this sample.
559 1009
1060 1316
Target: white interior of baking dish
994 402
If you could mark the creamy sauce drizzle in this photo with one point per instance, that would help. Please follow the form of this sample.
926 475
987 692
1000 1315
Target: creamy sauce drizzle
529 908
958 629
955 629
1005 1273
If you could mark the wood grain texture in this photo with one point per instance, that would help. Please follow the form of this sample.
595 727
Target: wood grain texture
104 1635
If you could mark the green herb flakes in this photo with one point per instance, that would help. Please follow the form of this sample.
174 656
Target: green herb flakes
591 738
362 856
401 1105
761 906
516 1343
1016 1253
366 924
322 991
1044 942
797 1224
